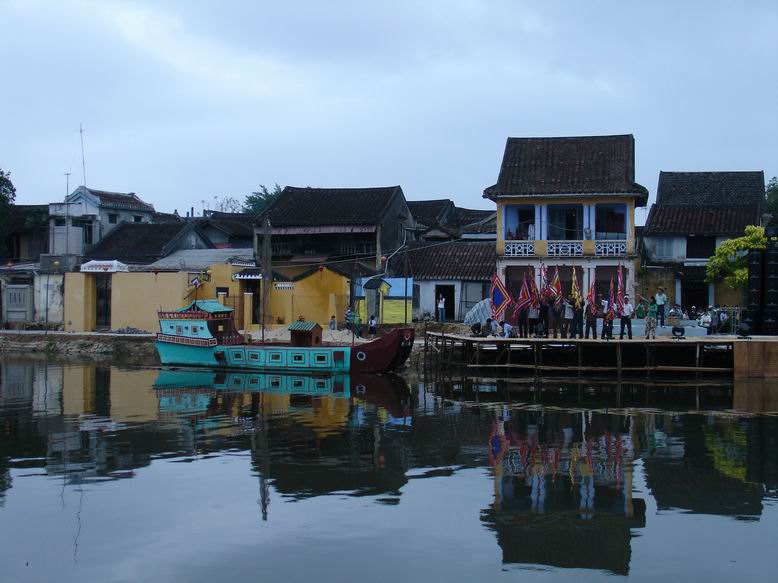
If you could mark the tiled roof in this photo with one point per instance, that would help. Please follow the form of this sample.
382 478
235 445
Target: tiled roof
460 260
486 225
469 216
710 188
302 326
429 212
330 206
700 220
234 224
141 243
574 165
120 200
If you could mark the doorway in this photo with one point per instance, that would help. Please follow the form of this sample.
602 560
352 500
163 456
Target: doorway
447 291
103 300
694 294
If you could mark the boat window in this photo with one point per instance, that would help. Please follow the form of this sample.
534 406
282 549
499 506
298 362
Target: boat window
253 381
320 384
297 383
275 382
297 358
179 330
238 381
321 358
237 355
195 329
254 355
275 357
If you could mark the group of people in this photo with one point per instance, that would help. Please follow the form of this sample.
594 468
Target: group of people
570 319
354 324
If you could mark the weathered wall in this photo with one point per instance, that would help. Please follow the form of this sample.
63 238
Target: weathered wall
649 280
51 309
80 298
136 297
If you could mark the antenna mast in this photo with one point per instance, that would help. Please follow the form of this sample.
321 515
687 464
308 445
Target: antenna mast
83 162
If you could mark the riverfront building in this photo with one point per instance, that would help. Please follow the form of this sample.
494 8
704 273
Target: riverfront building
567 202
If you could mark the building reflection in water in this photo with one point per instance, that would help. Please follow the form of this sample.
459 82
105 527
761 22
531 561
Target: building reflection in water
562 468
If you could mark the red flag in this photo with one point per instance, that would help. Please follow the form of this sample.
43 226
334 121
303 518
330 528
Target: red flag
590 296
525 298
611 313
620 291
555 289
534 293
543 282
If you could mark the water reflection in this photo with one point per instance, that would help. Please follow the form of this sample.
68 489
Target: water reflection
562 480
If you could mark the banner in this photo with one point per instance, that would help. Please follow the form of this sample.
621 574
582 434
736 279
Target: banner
575 291
525 298
499 297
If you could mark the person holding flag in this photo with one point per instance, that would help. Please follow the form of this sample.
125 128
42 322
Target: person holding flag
522 305
590 312
554 294
575 296
609 313
533 312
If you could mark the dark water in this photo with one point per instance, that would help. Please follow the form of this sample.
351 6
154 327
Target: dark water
109 474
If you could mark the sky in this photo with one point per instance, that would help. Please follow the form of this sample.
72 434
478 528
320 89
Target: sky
192 100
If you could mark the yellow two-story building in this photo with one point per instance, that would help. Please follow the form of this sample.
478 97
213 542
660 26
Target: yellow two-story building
564 202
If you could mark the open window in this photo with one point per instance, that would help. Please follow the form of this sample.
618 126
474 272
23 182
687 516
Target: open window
610 222
519 222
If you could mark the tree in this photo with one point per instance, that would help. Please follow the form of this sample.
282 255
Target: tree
256 202
730 261
228 204
7 197
7 189
771 191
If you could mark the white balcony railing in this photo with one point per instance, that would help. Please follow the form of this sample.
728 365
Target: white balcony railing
610 248
519 248
565 248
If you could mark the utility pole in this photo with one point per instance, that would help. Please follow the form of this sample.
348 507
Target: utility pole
83 160
67 214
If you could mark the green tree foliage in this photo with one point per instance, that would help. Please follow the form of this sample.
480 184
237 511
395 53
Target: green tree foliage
7 197
256 202
772 196
730 262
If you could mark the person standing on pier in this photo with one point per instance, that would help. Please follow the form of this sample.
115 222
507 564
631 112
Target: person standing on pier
626 318
533 315
568 326
661 301
651 309
591 318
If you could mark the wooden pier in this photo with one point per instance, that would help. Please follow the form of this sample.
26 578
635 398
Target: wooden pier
695 355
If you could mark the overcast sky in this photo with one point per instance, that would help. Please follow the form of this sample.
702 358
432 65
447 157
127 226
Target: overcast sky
185 100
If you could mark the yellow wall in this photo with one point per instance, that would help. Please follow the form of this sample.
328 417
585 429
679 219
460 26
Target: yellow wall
315 298
136 298
220 276
393 311
727 295
80 302
132 395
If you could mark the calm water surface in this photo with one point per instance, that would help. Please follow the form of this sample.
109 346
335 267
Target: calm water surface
110 474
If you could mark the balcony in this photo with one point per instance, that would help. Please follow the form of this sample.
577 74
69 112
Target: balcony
565 248
519 248
610 248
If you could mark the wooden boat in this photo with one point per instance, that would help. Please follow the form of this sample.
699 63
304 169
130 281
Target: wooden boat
204 334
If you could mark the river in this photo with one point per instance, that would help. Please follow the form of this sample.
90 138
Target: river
130 474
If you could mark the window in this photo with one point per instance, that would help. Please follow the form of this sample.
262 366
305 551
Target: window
275 357
565 222
195 329
700 247
519 222
179 329
253 380
137 219
298 383
275 382
416 304
237 356
113 218
86 227
60 222
254 355
610 222
297 358
321 358
223 290
663 248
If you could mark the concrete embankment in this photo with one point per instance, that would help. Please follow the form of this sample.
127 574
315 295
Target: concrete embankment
125 347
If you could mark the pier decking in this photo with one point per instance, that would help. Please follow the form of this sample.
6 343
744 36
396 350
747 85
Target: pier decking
694 355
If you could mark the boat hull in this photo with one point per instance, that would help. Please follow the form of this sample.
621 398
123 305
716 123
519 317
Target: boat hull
383 354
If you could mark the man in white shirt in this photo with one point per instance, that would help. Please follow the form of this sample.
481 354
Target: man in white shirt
506 329
661 300
441 309
626 318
